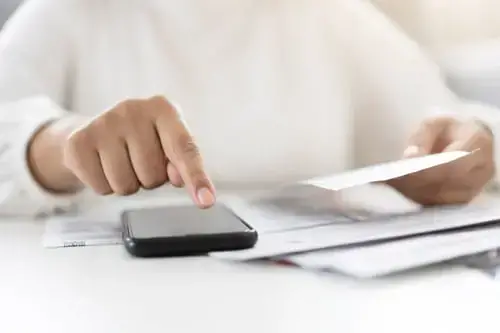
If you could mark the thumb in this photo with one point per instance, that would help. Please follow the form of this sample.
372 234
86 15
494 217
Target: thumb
423 140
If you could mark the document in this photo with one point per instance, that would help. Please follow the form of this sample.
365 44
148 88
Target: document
100 225
385 258
79 231
343 209
358 231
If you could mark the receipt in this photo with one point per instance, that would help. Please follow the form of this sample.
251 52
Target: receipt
384 171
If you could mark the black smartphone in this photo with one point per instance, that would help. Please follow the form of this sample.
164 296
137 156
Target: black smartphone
184 230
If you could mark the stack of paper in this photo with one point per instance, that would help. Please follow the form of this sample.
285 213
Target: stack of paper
349 229
345 223
372 260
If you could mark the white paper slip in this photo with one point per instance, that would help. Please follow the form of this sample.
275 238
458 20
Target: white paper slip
385 171
100 225
370 228
66 231
381 259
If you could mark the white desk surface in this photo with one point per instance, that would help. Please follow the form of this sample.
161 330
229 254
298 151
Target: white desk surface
103 290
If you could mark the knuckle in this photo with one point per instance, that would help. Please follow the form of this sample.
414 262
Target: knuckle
430 123
158 100
102 190
161 106
132 109
78 141
127 190
463 198
126 112
435 123
107 122
135 109
127 105
150 183
177 183
125 184
443 120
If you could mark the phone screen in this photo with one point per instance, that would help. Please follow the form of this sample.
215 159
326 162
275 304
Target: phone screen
178 221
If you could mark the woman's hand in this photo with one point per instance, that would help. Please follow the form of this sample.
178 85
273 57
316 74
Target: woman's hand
138 144
456 182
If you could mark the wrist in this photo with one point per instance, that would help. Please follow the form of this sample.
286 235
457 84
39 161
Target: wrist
45 156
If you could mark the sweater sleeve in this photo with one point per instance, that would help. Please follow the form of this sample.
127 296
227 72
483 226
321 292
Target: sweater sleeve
35 73
395 85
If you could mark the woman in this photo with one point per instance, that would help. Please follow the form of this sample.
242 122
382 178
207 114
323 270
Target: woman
272 91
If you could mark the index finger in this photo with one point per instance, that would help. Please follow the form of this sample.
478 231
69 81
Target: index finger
182 151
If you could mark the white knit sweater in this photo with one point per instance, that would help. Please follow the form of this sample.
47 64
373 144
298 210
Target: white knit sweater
272 90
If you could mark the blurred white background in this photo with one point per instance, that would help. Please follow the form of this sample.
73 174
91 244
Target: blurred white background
445 23
434 23
463 36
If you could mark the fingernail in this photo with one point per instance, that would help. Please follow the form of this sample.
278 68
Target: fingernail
205 197
411 151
